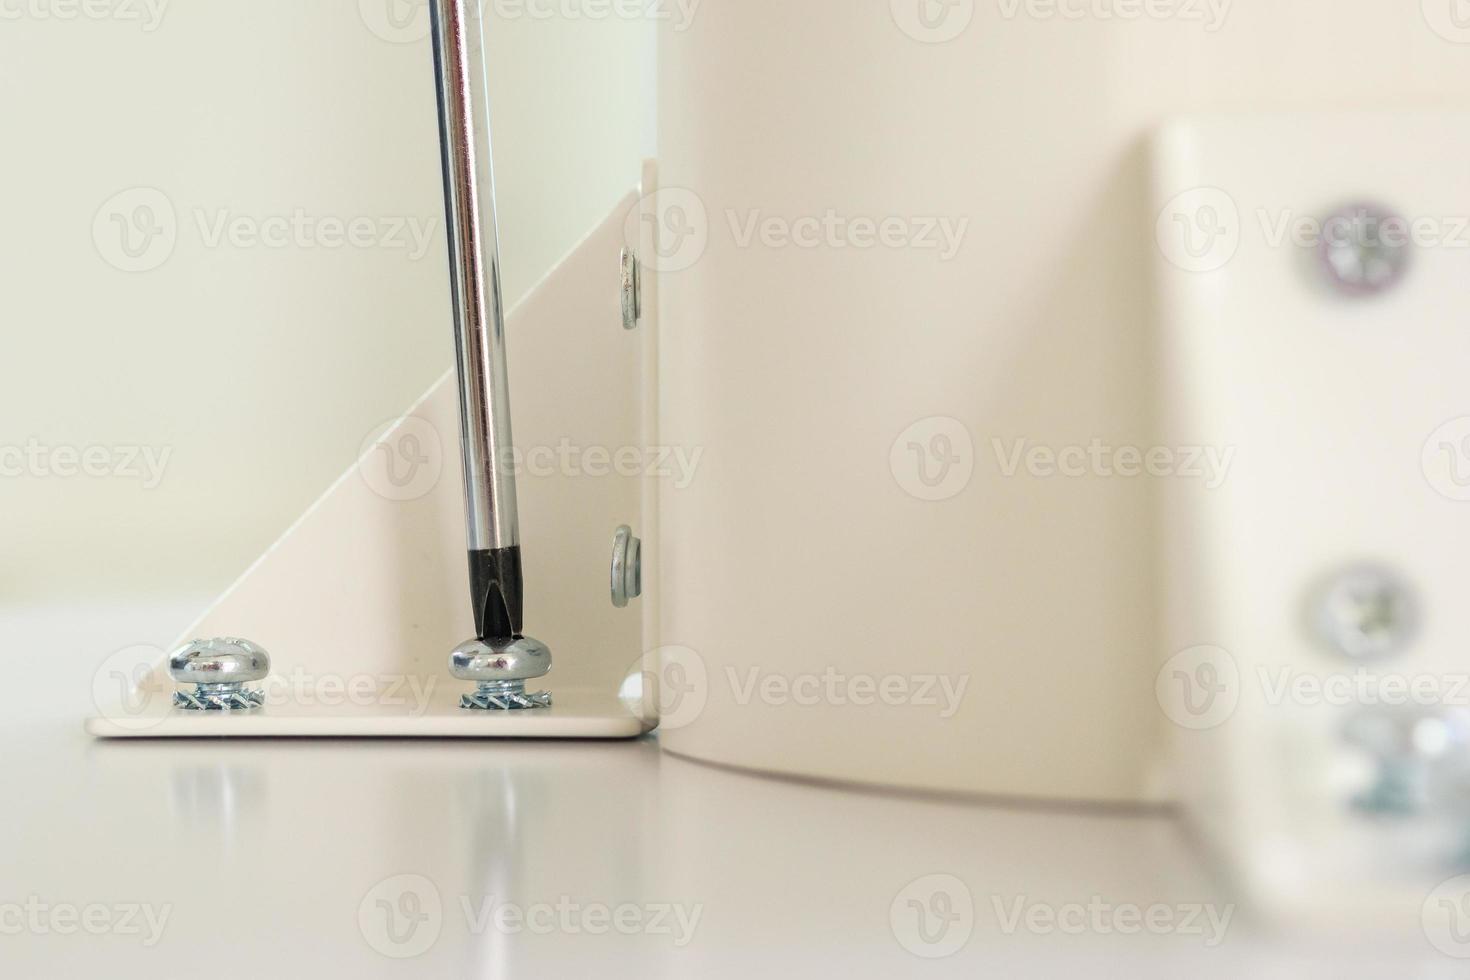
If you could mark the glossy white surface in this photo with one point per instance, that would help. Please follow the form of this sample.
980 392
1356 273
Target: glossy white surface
264 854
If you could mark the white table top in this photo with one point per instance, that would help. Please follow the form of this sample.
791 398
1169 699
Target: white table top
273 858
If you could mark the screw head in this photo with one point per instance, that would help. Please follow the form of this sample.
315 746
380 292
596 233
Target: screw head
500 669
517 658
219 661
1367 613
627 567
220 669
1365 249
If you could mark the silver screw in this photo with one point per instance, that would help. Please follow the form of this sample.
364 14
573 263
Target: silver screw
219 669
500 669
627 567
632 281
1367 613
1365 249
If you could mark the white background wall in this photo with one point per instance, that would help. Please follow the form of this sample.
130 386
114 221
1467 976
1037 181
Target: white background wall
259 370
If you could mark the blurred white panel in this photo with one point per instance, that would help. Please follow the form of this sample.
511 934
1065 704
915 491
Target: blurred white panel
1312 273
884 421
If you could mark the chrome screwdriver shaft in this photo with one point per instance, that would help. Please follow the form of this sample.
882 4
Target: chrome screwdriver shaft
491 514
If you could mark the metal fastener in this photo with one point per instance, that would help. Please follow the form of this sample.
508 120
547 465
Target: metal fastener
1367 613
500 669
627 567
1365 249
632 279
219 669
1417 759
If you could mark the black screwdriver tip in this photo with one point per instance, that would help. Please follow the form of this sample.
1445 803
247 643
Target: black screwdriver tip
497 593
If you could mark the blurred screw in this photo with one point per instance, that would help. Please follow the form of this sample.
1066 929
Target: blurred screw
1367 613
1354 252
1418 759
